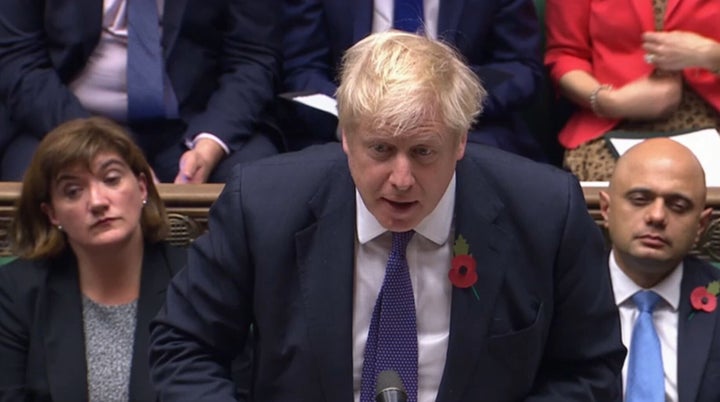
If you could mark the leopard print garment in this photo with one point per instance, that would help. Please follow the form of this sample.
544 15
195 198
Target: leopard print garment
593 160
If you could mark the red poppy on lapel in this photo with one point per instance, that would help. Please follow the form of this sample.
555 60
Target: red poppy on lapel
705 298
463 273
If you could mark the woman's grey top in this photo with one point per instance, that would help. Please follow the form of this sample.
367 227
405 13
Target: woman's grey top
109 338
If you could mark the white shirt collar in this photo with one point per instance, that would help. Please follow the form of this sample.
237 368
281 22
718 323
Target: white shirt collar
434 227
624 287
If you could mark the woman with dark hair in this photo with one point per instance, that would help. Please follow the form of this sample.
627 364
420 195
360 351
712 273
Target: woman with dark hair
91 273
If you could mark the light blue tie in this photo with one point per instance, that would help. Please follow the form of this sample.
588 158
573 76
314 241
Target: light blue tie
645 378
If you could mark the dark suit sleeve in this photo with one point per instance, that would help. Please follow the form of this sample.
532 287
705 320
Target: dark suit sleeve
309 65
584 352
13 339
511 66
248 74
36 97
306 48
205 321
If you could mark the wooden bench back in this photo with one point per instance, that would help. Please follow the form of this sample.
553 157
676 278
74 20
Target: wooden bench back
188 207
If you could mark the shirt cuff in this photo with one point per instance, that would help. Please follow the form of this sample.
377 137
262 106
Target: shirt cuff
191 143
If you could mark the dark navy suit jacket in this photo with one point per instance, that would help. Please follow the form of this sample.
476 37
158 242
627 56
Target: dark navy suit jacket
698 338
500 40
279 255
222 58
42 349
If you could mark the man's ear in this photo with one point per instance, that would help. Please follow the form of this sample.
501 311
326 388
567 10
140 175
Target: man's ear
462 143
50 212
604 207
344 140
705 216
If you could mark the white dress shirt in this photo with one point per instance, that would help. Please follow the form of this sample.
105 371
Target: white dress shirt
101 87
428 255
383 16
665 318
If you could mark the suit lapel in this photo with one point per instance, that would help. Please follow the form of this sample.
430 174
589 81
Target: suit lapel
63 333
173 12
694 334
154 279
449 19
74 27
325 252
469 317
362 19
76 16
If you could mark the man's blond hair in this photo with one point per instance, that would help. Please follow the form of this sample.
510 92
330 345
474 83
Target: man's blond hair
397 80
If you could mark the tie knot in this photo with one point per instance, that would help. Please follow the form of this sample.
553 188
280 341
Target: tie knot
645 300
400 241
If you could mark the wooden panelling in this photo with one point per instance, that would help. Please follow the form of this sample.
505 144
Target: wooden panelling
188 207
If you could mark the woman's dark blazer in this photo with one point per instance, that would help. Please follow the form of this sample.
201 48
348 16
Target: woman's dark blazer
42 347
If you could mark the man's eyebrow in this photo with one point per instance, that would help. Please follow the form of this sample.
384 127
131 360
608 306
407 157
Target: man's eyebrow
636 190
670 195
678 196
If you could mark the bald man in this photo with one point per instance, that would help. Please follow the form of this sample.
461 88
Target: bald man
654 210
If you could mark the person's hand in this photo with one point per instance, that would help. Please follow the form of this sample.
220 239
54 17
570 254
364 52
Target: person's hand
647 98
676 50
197 164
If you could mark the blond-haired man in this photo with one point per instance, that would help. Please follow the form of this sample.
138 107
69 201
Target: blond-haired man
472 273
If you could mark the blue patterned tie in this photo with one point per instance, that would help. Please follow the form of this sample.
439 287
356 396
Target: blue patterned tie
645 378
144 63
408 15
392 338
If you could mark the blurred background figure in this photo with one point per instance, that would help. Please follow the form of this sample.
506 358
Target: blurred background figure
191 79
92 271
642 66
500 40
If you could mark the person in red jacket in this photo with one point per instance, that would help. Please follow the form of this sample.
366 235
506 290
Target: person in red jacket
642 66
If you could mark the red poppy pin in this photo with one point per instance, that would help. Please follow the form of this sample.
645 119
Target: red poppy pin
704 298
463 273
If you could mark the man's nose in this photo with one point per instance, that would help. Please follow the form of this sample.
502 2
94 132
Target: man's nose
402 177
656 213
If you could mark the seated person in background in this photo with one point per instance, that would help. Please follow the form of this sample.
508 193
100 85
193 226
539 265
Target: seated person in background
641 66
192 80
91 273
499 39
498 322
655 211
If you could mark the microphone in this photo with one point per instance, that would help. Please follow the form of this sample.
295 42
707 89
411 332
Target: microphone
389 387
